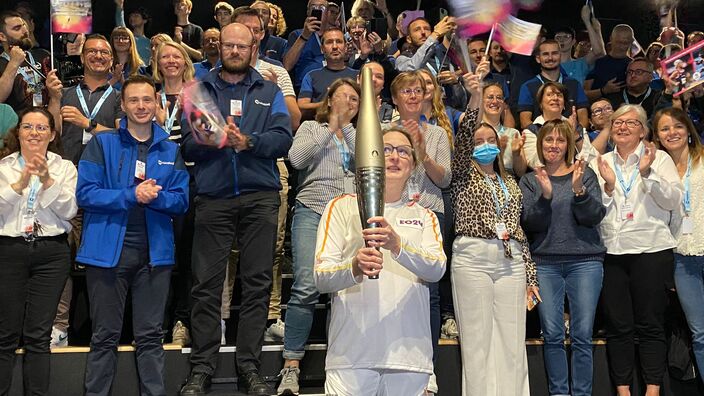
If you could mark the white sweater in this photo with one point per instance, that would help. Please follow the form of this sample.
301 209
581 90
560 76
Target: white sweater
382 323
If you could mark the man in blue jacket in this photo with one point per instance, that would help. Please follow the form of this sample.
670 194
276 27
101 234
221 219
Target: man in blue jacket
237 198
131 182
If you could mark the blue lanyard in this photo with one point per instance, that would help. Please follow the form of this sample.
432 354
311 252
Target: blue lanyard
91 114
32 81
626 188
344 153
497 205
686 200
559 79
33 188
170 118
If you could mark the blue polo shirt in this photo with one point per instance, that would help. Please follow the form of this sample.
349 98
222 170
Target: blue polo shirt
273 47
315 84
527 102
310 58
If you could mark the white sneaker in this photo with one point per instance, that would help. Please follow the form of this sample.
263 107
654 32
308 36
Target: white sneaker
275 332
223 339
180 334
59 339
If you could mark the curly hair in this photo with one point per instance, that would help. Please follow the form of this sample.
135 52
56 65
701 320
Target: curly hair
438 111
280 20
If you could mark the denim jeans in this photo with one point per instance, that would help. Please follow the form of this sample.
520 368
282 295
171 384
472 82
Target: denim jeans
304 294
581 282
689 279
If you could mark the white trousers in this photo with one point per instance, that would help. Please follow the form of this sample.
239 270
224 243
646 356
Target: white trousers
489 291
368 382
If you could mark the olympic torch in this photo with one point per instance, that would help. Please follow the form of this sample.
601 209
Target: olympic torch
369 157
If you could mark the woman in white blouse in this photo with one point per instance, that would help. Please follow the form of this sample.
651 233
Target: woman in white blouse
675 133
641 190
37 200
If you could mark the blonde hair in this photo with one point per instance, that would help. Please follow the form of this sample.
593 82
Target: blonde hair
133 61
359 4
565 130
438 109
356 21
406 78
280 21
188 71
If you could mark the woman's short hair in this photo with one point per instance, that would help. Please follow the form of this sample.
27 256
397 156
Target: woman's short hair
408 136
556 86
12 139
189 71
641 115
356 21
322 114
406 78
565 129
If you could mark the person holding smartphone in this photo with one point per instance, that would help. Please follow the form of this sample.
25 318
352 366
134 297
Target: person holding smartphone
305 45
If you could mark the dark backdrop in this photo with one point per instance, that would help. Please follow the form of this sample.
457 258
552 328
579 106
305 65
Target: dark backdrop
638 13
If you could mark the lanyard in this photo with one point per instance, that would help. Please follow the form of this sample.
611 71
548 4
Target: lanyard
33 188
686 200
344 153
170 117
32 81
626 188
497 205
84 105
625 96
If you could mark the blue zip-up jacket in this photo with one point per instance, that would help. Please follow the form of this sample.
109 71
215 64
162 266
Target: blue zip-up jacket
223 173
106 192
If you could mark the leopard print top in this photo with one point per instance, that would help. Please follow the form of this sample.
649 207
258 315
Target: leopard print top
473 202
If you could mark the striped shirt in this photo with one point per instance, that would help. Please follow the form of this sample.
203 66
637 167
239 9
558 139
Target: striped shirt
315 154
437 147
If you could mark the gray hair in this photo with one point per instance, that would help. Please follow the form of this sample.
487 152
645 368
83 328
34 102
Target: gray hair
641 115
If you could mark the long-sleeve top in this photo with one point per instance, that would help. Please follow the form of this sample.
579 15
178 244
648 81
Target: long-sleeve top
437 147
389 315
693 244
54 207
653 201
315 153
473 201
563 229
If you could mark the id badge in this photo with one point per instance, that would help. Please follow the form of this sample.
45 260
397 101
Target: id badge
37 99
236 108
687 225
626 211
87 136
501 231
140 170
348 181
27 223
413 190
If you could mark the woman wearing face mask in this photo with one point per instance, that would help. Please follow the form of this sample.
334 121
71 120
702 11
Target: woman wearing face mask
323 153
126 61
675 133
641 190
379 338
492 271
561 211
37 200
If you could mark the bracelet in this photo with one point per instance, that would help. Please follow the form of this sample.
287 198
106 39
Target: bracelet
601 91
580 192
302 38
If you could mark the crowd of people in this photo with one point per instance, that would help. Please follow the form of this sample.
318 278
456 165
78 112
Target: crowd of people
518 183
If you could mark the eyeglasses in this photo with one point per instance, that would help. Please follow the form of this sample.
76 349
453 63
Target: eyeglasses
404 151
554 95
122 38
600 110
492 98
637 72
563 37
41 128
410 92
631 124
231 46
94 52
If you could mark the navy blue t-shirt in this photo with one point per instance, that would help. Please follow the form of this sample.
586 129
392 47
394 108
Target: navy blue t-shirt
607 68
315 84
136 232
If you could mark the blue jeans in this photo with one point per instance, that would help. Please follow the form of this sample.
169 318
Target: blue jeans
689 279
304 294
581 282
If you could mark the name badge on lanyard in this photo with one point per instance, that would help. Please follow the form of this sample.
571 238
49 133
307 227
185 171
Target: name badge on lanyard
140 170
236 108
687 223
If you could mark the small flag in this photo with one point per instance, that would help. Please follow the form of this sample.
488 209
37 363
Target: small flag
516 35
477 16
71 16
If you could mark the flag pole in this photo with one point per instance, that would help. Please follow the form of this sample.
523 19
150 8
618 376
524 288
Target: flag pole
488 43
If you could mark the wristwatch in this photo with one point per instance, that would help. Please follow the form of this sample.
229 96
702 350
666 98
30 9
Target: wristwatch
92 125
250 143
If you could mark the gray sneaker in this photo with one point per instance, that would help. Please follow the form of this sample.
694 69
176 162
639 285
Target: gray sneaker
289 381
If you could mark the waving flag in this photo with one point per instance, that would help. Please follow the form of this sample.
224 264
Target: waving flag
477 16
71 16
516 35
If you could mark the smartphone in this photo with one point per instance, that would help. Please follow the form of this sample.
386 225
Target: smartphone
317 13
378 26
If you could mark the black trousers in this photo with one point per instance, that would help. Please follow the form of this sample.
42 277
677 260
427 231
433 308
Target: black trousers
635 299
32 277
107 290
251 219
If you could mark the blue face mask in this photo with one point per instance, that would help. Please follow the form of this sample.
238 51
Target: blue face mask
485 153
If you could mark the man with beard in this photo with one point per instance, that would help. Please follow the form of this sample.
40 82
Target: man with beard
21 86
237 199
638 90
211 53
548 57
270 46
315 84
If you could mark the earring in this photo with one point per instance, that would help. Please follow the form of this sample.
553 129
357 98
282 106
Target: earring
689 139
